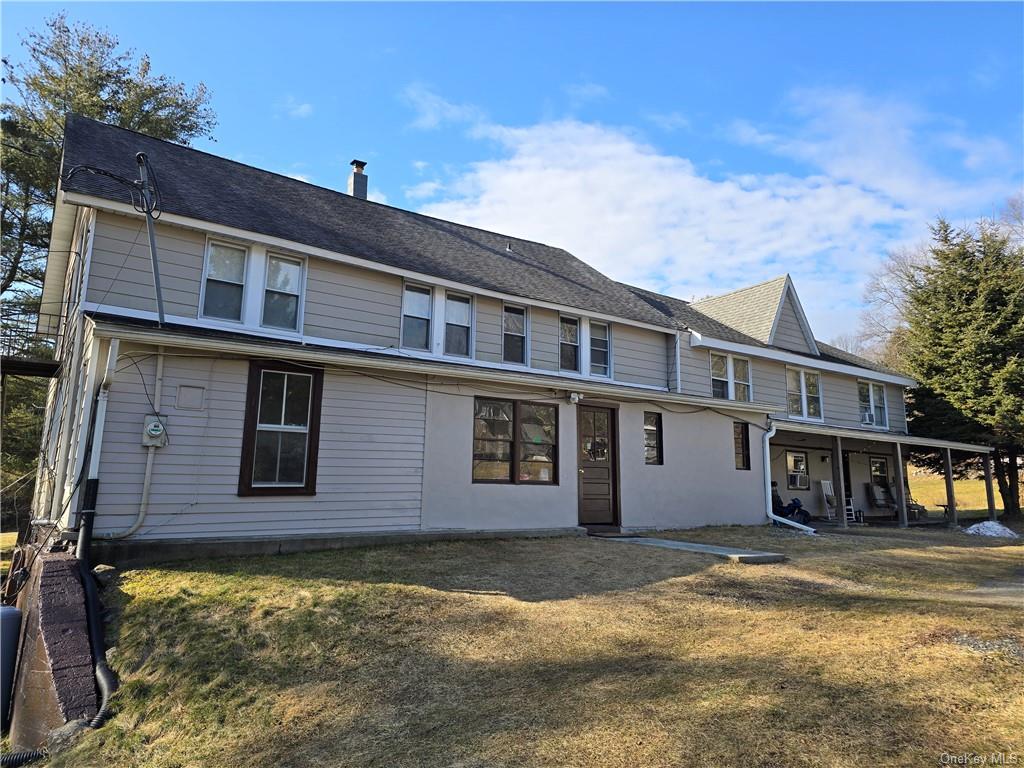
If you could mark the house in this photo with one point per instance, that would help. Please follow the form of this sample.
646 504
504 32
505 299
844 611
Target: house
328 365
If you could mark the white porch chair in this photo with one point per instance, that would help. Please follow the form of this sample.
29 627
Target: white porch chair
828 495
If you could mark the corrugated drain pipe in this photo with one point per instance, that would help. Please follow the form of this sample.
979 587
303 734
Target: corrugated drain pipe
765 438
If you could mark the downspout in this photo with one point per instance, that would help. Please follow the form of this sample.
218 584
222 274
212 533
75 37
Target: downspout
765 438
150 457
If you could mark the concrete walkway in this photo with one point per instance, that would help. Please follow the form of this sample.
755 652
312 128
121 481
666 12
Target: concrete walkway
749 556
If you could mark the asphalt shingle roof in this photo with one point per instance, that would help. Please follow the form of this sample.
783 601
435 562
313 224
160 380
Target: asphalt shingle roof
750 310
213 189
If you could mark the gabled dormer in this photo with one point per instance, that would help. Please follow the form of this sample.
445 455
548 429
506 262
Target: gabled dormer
790 330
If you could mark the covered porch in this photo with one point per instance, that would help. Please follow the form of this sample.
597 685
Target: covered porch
812 462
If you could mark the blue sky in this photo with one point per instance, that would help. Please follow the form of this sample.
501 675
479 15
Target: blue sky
689 148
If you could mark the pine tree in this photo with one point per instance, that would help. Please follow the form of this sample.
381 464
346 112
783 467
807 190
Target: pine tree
964 343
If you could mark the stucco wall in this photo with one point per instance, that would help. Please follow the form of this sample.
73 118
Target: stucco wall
698 484
452 501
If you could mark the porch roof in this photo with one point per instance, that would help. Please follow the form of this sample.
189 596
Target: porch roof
876 436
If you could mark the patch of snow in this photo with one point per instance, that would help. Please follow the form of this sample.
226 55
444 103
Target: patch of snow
991 528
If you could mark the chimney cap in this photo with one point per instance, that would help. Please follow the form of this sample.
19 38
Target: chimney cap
358 165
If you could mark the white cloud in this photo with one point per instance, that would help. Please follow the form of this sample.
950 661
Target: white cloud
292 107
433 111
422 190
648 217
376 196
420 165
668 121
300 177
584 93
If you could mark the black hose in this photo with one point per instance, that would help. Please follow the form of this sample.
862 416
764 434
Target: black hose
106 681
14 759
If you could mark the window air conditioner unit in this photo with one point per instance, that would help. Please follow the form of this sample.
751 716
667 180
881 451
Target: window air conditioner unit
867 418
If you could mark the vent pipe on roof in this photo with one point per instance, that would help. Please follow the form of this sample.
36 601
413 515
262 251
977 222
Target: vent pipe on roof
357 181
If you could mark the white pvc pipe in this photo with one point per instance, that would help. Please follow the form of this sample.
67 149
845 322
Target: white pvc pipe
765 438
150 456
101 409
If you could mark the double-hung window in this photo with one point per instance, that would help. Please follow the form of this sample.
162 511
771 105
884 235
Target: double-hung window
416 302
803 394
797 476
282 292
513 325
653 442
458 313
282 430
873 410
600 349
569 344
730 377
224 284
515 442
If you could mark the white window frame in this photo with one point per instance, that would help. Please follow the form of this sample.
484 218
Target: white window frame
873 404
247 251
283 427
579 346
805 474
590 349
730 372
432 296
803 394
470 342
300 309
526 334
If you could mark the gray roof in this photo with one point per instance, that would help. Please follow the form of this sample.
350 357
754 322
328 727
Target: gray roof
687 316
213 189
750 310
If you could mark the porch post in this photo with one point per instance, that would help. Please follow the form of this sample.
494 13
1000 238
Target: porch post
986 460
947 458
901 499
837 480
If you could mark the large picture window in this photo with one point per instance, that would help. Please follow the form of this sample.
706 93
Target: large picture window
281 436
515 442
416 303
803 394
224 284
873 410
513 335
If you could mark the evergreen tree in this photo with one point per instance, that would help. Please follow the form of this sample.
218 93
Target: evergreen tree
964 343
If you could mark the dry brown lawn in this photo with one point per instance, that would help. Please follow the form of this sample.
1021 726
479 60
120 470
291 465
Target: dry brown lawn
861 650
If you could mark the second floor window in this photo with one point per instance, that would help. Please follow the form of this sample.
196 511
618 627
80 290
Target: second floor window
416 317
281 295
458 313
730 377
873 410
514 335
803 394
225 282
600 349
569 344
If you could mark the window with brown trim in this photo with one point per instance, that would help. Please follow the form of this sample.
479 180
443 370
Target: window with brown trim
653 453
515 442
741 444
281 437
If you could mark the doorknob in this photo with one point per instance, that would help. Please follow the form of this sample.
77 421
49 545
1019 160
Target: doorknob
581 471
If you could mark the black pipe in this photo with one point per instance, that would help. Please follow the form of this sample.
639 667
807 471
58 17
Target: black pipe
106 681
14 759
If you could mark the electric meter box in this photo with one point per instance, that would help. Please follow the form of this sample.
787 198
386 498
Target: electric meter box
154 431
